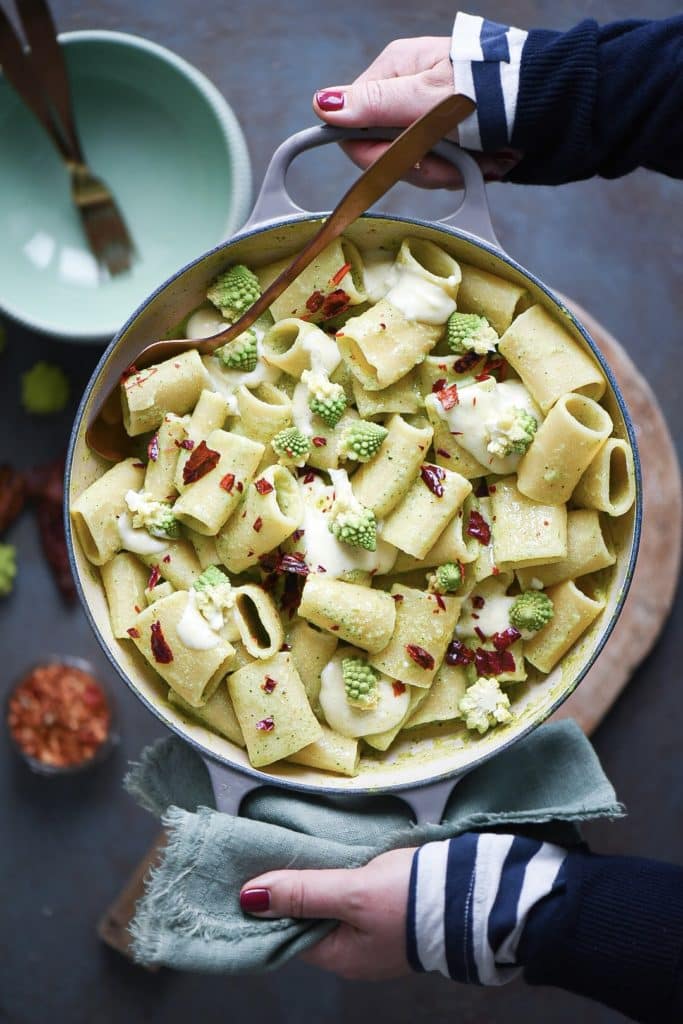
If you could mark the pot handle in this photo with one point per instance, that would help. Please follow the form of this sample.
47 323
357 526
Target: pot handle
230 786
274 202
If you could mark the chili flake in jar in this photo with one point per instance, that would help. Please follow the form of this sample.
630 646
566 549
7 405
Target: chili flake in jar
59 716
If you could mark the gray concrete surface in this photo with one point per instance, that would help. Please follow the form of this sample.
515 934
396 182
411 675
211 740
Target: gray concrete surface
67 846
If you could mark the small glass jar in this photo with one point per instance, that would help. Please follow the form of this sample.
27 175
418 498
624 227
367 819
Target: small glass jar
103 748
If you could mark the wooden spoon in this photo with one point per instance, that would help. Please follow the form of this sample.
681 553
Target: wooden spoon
105 434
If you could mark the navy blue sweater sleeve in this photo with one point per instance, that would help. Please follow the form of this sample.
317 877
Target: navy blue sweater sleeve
485 908
614 933
600 100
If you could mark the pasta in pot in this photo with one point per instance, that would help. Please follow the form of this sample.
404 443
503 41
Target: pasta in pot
387 506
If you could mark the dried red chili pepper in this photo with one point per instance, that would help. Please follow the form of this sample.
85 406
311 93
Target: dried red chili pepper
440 601
269 684
397 598
153 448
448 396
319 442
292 563
443 453
12 496
314 301
458 654
257 524
133 633
202 460
466 362
421 657
341 273
154 577
160 649
493 663
335 303
501 641
439 385
432 477
45 484
262 485
266 724
187 444
398 687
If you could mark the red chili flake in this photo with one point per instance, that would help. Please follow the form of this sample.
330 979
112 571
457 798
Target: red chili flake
421 447
45 484
398 687
545 522
269 684
456 433
439 385
448 396
153 448
186 443
228 482
292 563
138 465
421 657
309 478
130 371
443 453
482 376
397 598
319 442
133 633
335 303
334 628
501 641
166 559
440 601
202 460
137 608
466 362
160 649
298 534
154 577
493 663
341 273
339 334
240 486
286 647
383 326
262 486
458 654
432 477
478 528
257 524
266 724
495 571
474 615
492 488
478 601
314 302
321 568
480 633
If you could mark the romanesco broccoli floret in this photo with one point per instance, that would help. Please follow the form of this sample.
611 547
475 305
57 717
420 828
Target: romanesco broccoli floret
234 291
44 389
240 354
8 568
484 704
360 683
362 440
468 332
446 578
353 523
291 446
213 596
531 611
512 432
327 400
154 516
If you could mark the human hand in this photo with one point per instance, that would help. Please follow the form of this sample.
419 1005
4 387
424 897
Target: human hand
370 903
408 78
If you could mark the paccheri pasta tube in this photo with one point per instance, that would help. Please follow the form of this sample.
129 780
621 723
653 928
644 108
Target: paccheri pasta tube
609 482
172 386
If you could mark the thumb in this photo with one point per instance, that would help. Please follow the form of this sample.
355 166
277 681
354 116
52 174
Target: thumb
324 894
379 102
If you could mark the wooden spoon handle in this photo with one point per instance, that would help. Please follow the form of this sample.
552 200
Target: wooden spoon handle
403 153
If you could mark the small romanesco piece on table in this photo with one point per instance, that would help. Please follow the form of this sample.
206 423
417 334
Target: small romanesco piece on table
362 440
291 446
468 332
234 291
360 683
531 611
214 597
446 578
327 399
152 515
484 704
240 354
512 432
44 389
8 568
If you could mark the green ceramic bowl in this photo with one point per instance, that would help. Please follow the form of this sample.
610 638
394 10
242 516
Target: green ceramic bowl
165 141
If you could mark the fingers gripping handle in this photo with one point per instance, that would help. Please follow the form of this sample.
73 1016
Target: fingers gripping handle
274 201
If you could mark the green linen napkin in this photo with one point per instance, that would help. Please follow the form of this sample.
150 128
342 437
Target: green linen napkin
189 917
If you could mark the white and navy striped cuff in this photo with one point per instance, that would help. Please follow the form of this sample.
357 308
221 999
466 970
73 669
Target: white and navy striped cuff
486 59
469 903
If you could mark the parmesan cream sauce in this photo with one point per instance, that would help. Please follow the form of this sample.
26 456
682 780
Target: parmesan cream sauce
193 630
140 542
408 291
349 721
324 358
494 617
321 548
475 416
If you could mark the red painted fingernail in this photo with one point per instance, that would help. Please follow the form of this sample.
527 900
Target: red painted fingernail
329 100
255 901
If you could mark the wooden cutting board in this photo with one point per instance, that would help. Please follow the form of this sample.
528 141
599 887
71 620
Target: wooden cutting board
645 611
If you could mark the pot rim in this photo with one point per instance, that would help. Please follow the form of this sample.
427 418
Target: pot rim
256 776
